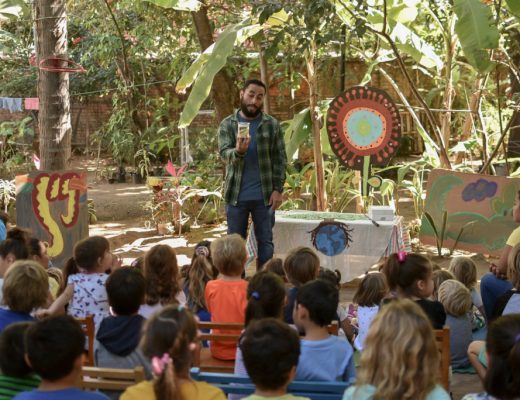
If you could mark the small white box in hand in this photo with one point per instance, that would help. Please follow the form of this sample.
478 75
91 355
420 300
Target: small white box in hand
381 213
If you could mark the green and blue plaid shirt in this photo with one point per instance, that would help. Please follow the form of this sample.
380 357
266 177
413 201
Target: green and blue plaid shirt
271 157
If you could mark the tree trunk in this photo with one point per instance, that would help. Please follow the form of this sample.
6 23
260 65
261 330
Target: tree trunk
469 121
264 76
449 91
321 196
53 87
223 90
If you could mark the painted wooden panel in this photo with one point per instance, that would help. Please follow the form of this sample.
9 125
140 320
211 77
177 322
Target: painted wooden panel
479 204
53 205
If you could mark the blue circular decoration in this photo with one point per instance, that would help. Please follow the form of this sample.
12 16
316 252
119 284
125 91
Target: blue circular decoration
364 128
331 238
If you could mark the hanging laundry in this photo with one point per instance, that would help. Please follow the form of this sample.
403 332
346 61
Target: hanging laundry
12 104
32 103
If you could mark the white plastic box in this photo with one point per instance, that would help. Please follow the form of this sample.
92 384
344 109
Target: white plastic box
381 213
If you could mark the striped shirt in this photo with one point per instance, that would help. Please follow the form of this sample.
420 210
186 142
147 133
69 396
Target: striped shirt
10 386
272 158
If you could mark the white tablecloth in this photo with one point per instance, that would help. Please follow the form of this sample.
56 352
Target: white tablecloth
369 242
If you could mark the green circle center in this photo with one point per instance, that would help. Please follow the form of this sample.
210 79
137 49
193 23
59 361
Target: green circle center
364 127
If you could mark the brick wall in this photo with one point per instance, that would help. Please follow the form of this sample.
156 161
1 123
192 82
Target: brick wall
89 116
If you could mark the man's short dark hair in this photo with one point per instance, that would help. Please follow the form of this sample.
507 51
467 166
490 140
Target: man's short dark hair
270 349
53 345
257 82
320 299
12 350
125 290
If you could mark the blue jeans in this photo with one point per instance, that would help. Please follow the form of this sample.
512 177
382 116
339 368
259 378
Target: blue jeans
263 220
492 288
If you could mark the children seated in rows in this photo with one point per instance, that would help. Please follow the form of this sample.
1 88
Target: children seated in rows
410 275
400 358
119 334
55 351
85 277
162 278
316 305
17 376
371 291
169 340
271 350
301 265
226 296
456 299
26 288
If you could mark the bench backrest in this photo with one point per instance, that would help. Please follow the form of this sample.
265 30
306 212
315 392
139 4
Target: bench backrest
442 336
88 326
242 385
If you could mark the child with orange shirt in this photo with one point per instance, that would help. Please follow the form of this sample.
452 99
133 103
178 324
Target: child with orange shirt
226 296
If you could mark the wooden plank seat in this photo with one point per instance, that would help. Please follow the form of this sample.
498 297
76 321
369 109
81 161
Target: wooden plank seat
203 358
96 378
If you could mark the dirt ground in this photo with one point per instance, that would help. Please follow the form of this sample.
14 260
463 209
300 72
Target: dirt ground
122 218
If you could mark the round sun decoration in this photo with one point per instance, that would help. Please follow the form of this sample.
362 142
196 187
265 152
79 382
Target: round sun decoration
363 122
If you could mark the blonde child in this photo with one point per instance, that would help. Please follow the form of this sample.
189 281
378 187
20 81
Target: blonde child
169 341
400 359
465 270
439 276
371 291
25 289
411 276
85 277
301 266
457 301
162 278
226 296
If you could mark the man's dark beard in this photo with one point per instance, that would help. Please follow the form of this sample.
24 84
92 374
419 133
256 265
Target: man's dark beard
247 112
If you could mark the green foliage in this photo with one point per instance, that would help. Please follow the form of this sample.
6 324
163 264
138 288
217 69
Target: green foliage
477 32
180 5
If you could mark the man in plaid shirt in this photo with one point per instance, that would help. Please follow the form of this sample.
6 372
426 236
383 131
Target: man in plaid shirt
255 168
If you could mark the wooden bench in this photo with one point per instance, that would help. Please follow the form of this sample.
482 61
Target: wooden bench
233 384
88 326
203 358
442 337
96 378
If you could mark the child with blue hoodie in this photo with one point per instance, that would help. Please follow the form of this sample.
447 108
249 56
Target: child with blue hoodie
119 334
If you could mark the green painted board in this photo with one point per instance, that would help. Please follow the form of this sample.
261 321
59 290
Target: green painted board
482 204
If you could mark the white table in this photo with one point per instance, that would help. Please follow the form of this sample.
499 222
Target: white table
369 242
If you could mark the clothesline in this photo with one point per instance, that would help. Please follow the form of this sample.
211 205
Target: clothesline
14 104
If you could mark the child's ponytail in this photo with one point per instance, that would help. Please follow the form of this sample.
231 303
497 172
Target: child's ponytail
265 297
402 271
169 343
70 268
166 385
